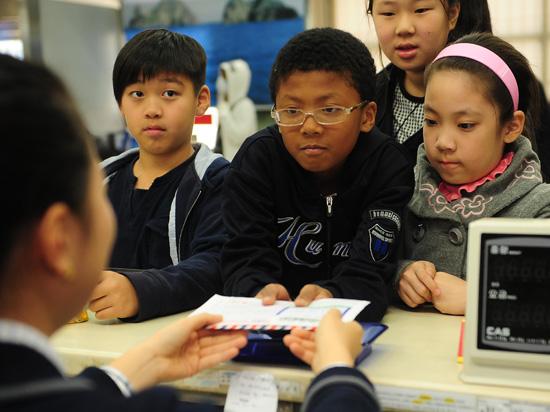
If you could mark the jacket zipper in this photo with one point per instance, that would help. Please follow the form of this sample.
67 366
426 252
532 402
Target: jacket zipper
329 200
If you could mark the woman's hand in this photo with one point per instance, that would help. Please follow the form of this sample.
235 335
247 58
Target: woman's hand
178 351
333 343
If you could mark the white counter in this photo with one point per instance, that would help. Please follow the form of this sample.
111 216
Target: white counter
413 364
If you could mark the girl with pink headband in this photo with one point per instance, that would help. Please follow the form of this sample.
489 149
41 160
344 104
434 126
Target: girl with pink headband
476 161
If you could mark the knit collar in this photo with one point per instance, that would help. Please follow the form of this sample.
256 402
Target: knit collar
454 192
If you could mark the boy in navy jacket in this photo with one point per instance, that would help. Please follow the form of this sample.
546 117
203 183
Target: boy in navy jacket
313 205
166 194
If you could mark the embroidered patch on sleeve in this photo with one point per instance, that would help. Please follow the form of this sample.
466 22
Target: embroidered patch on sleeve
380 241
386 214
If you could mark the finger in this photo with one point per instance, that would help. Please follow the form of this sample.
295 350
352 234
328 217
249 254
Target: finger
332 316
101 290
267 290
202 320
280 292
323 294
410 288
355 333
302 353
355 328
302 333
418 286
208 338
429 268
414 296
429 282
307 295
331 320
405 298
237 341
268 295
262 293
411 301
290 339
222 345
268 300
272 293
307 344
310 337
100 304
214 359
106 313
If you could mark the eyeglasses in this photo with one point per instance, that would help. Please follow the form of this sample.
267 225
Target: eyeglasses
324 115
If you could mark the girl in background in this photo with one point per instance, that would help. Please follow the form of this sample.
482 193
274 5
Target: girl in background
411 33
474 163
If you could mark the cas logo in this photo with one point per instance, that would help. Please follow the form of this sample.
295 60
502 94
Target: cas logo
497 331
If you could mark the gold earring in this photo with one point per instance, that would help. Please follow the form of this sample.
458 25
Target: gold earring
68 272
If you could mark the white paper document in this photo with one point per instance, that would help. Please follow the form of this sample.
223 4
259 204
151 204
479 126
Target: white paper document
250 314
251 392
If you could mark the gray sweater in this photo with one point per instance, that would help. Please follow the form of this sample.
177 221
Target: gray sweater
436 230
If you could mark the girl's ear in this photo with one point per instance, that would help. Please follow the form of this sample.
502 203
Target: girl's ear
513 128
203 100
368 118
57 237
454 13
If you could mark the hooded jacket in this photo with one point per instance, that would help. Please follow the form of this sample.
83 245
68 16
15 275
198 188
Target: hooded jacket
195 233
238 118
282 230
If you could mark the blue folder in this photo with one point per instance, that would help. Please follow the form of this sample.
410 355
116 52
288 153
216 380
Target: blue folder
268 347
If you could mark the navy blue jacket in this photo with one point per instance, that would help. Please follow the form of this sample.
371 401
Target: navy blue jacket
196 235
282 230
30 382
340 389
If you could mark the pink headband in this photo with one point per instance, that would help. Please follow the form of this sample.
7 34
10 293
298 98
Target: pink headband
487 58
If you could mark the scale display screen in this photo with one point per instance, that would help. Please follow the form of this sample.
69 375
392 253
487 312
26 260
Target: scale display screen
514 293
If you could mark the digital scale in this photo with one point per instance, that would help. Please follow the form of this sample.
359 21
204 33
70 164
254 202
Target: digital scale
507 335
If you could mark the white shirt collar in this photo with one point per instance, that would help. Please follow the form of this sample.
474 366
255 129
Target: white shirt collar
19 333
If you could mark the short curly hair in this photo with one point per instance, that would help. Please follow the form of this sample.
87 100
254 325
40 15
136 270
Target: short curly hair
326 49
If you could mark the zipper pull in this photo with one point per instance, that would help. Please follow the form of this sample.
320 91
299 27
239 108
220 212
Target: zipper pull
329 205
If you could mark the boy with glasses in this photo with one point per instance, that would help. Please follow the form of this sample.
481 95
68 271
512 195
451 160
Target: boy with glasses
313 204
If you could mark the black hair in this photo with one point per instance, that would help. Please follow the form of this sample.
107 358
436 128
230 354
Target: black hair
474 17
326 49
155 51
496 91
47 152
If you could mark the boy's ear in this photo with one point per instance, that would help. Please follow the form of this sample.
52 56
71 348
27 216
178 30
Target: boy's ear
203 100
513 128
454 13
56 238
368 117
